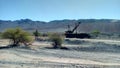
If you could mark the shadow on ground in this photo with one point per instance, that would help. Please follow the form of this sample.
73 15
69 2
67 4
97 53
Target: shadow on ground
4 47
63 48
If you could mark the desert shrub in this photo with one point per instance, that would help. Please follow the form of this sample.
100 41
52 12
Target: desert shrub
0 35
17 36
49 34
57 40
95 33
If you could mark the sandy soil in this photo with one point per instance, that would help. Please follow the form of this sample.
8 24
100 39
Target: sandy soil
41 57
4 42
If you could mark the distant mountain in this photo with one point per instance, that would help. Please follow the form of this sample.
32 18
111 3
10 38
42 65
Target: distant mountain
87 25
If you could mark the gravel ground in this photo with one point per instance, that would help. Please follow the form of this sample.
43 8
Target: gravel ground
78 55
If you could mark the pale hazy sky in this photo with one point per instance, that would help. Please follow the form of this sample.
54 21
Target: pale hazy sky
47 10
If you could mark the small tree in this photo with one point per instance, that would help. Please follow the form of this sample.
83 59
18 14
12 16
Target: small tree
57 40
36 34
17 36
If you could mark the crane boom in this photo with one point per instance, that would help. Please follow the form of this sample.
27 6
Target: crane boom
76 27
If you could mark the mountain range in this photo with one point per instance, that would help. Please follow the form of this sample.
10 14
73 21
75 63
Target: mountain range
87 25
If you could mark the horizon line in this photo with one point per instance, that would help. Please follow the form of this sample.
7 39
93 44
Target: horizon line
60 19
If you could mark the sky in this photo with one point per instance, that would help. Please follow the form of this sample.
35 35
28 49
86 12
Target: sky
47 10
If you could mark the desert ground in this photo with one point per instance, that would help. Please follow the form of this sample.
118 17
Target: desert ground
79 53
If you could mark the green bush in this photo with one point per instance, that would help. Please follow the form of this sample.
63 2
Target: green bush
17 36
95 33
57 40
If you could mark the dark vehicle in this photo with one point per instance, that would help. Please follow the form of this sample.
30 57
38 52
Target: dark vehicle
71 34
